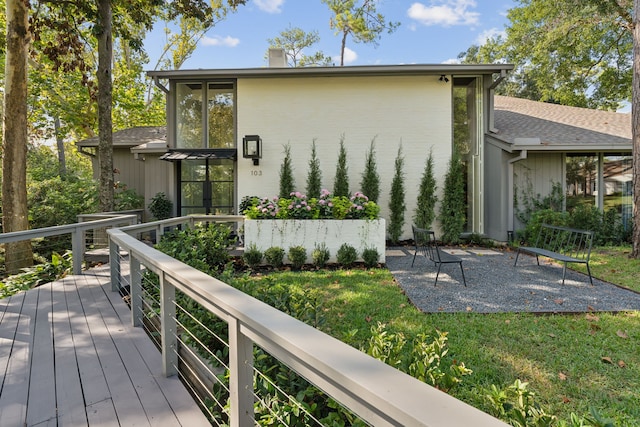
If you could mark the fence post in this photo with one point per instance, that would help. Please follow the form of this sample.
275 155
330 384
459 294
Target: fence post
135 274
77 252
114 265
241 376
168 328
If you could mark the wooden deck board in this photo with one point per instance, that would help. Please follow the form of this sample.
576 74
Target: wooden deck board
69 356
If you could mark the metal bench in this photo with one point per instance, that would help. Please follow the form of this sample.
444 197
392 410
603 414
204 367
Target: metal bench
561 244
426 244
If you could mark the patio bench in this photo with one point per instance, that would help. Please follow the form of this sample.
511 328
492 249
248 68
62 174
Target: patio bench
562 244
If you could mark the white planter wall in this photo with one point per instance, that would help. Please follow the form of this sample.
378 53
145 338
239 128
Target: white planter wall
285 233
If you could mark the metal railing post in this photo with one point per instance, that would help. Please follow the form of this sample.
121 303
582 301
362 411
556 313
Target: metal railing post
135 273
114 265
241 376
77 251
168 328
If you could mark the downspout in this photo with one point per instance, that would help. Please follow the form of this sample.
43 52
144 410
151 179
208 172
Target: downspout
162 87
510 180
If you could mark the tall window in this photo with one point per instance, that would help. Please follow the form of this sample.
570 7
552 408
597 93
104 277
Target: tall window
207 125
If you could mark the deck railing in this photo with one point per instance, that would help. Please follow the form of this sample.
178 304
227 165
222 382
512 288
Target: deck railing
77 231
159 286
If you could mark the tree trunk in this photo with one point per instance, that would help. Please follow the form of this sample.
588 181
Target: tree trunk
105 93
635 117
62 163
343 46
14 160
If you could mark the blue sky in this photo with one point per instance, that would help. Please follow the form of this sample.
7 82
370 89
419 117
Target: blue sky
430 32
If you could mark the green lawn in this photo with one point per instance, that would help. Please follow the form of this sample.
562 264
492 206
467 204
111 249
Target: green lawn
572 362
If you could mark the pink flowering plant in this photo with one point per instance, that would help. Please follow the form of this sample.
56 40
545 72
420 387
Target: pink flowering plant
327 206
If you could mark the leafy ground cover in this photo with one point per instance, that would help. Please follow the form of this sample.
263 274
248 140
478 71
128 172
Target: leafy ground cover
573 363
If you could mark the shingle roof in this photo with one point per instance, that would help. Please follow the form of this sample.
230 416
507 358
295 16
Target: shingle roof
131 137
559 125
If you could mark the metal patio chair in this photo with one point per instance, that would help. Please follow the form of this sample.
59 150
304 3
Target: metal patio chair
426 244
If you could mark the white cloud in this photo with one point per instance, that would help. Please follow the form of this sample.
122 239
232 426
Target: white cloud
491 33
269 6
349 56
451 61
445 13
227 41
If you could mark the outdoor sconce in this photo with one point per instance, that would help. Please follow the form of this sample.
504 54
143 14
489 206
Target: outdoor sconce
252 148
444 78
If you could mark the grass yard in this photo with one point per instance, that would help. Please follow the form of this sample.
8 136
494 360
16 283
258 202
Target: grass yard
572 362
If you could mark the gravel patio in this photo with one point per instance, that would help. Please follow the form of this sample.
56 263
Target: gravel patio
494 285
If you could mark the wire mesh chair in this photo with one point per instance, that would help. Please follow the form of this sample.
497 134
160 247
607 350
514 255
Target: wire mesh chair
426 244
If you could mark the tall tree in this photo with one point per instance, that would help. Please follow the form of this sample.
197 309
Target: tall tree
295 42
341 180
15 137
370 184
635 113
360 19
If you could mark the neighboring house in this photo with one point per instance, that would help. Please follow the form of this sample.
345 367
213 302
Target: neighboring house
505 143
528 148
140 171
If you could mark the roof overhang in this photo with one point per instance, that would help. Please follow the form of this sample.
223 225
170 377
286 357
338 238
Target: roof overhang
179 155
363 70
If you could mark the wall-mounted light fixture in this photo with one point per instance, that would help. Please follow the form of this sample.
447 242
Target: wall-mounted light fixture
444 78
252 148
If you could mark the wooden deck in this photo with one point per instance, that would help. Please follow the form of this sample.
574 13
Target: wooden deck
69 356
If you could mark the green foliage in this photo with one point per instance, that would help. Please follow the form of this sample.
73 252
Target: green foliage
204 247
453 207
314 177
274 256
295 43
370 256
370 183
252 256
526 203
346 255
421 357
57 268
427 198
516 404
341 181
320 255
160 206
287 183
397 199
247 202
127 199
297 256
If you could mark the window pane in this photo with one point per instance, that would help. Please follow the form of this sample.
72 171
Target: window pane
189 115
193 170
582 174
192 194
220 110
618 184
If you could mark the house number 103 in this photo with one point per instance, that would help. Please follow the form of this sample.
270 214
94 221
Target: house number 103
256 172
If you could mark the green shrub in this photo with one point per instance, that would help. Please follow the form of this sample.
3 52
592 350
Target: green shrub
427 198
160 206
346 255
58 267
453 209
287 183
320 255
396 200
370 256
127 199
247 202
274 256
252 256
370 183
297 256
341 181
314 176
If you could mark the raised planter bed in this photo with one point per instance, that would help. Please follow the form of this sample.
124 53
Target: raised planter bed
285 233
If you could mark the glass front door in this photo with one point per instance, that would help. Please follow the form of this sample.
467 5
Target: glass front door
207 186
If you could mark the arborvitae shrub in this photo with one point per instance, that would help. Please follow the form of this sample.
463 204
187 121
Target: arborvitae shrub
370 184
346 255
314 177
427 198
453 209
396 200
274 256
287 184
341 182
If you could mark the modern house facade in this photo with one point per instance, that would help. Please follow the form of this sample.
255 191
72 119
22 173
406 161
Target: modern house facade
506 144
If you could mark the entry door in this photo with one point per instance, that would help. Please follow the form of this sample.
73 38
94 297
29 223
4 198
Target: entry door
207 186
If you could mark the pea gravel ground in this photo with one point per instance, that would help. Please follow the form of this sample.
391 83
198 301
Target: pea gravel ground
494 285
